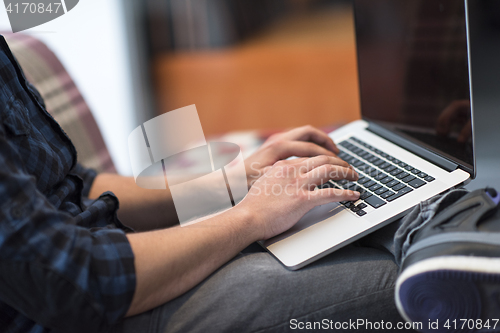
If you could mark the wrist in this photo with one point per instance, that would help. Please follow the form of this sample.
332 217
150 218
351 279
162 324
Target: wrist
247 223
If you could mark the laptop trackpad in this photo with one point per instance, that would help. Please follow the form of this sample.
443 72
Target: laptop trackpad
315 215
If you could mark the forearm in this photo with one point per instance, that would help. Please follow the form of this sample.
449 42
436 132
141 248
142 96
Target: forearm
170 262
140 208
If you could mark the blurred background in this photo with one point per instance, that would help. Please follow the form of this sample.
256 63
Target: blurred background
255 63
246 64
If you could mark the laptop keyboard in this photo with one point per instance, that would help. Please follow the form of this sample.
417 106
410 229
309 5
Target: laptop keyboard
382 178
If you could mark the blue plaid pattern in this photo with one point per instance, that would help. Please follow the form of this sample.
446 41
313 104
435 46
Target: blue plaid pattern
65 262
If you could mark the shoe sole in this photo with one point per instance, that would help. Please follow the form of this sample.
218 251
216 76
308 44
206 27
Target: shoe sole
450 288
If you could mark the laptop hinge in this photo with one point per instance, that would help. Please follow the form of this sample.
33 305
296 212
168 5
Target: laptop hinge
414 148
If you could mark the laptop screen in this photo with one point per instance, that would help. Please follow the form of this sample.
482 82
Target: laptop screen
414 73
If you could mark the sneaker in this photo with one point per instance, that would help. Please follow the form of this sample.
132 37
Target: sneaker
450 277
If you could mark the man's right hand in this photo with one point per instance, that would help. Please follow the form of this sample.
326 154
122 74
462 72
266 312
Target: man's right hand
288 190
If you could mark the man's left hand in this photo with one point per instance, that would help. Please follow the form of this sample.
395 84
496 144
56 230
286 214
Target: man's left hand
306 141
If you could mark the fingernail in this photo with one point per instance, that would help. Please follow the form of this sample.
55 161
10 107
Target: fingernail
356 194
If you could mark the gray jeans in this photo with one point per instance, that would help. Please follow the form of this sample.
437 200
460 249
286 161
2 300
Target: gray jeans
255 293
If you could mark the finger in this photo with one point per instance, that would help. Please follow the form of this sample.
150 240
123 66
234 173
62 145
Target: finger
286 149
328 172
298 160
311 134
465 133
328 195
317 161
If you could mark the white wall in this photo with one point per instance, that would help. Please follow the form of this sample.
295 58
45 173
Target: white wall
91 43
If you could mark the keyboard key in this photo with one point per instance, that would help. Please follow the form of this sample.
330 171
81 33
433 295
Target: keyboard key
408 179
404 189
362 153
361 213
387 194
392 183
385 165
390 168
375 187
415 171
398 187
395 161
362 205
363 180
390 158
365 155
357 164
365 195
368 156
355 209
402 164
402 175
422 175
408 168
362 157
396 172
374 159
361 168
380 190
384 155
373 172
379 162
370 183
357 150
375 202
380 176
400 193
416 183
366 168
350 186
349 205
361 165
386 180
429 178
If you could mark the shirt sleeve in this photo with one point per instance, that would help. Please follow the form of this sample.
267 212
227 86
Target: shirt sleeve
87 175
59 274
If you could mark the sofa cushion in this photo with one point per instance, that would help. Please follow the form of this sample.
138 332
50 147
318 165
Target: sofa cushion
62 99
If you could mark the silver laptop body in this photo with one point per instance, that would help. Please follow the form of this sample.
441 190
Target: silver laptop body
416 131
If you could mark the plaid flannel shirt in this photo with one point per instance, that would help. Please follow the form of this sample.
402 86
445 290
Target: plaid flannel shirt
65 262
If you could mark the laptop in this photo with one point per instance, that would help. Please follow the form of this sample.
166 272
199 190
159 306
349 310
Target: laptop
415 139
